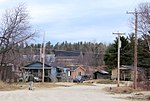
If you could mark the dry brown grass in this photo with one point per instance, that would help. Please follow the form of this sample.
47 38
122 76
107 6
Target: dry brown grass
140 97
139 100
85 84
121 90
16 86
101 81
45 85
8 87
137 95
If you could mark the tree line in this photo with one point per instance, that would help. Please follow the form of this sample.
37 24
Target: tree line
92 52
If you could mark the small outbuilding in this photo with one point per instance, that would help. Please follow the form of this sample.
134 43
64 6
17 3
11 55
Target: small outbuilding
101 75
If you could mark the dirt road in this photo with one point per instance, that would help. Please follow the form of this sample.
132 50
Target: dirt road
71 93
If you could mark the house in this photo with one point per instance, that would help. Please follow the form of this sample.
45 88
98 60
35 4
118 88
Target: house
51 73
74 71
67 57
127 73
101 75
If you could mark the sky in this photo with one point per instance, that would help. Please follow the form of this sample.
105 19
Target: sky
77 20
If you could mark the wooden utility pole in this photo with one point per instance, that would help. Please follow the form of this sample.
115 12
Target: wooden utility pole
119 46
41 53
135 13
43 58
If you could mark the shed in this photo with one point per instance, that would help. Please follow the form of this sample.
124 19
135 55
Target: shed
101 75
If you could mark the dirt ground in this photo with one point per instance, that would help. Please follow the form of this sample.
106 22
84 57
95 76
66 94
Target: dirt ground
68 92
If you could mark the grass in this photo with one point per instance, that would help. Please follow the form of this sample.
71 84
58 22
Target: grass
142 98
101 81
45 85
106 81
138 96
8 87
85 84
120 90
21 85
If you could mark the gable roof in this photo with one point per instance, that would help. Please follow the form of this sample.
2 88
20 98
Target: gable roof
73 68
130 67
36 65
101 72
67 53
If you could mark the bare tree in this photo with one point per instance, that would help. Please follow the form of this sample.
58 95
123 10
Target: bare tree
14 29
144 21
87 58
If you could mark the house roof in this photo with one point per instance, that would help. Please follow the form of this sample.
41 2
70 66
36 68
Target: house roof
128 67
73 68
67 53
36 65
123 67
104 72
101 72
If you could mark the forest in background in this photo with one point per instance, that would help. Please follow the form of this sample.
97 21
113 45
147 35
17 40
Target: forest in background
93 53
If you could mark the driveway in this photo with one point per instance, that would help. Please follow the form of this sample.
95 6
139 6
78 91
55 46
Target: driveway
68 93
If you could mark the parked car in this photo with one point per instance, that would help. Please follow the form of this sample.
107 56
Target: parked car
77 79
80 79
20 79
86 77
37 79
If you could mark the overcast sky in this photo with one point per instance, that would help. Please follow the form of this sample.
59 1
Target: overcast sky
77 20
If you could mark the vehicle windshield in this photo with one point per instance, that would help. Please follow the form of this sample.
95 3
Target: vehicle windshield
78 77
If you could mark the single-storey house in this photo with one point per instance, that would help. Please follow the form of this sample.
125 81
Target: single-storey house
74 71
127 73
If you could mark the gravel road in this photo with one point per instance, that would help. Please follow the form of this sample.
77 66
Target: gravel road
71 93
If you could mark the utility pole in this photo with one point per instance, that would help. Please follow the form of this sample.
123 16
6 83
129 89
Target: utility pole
135 13
43 58
119 46
31 53
41 53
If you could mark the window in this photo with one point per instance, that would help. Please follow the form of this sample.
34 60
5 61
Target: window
46 72
69 73
79 73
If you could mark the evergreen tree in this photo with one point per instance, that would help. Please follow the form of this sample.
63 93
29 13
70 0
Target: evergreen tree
111 53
